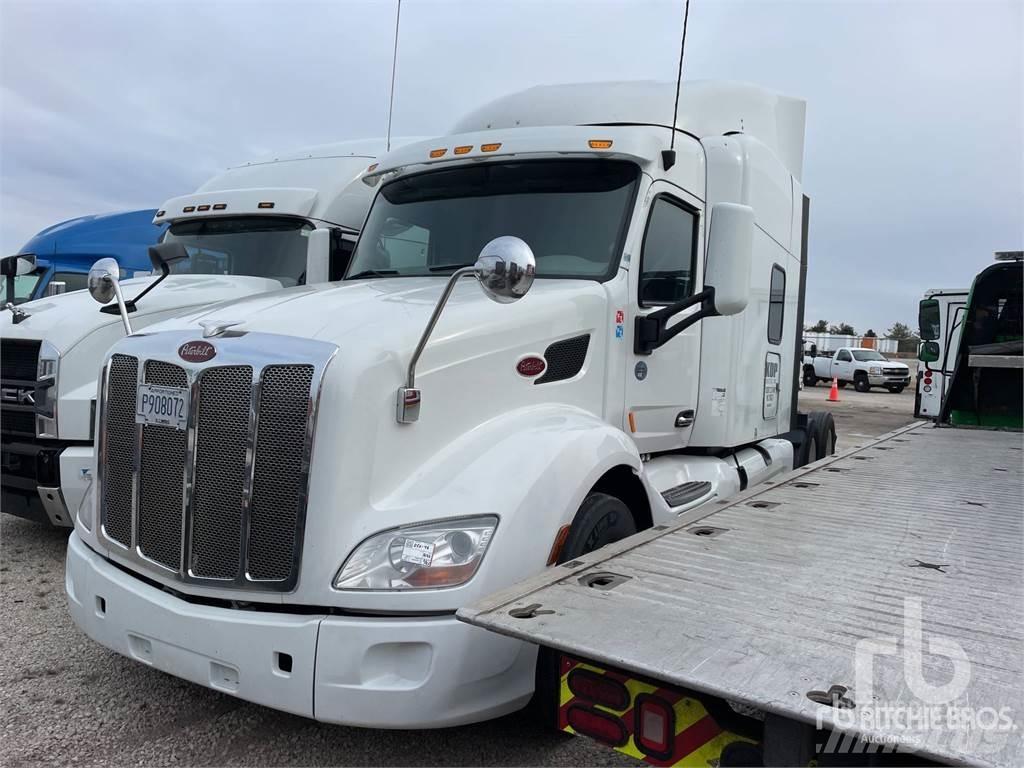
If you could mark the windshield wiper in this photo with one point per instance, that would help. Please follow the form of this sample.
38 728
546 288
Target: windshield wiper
373 273
445 267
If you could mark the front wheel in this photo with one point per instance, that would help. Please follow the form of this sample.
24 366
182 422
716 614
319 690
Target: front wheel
896 388
601 519
861 384
810 379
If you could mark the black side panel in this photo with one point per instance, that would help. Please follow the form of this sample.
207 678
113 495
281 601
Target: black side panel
565 359
798 357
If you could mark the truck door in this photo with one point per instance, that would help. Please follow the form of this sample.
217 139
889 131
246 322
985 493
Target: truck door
842 363
661 388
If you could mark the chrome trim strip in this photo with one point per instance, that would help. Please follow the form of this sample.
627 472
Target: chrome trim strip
260 351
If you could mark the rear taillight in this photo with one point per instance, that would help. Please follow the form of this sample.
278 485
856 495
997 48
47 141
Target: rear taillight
599 689
597 725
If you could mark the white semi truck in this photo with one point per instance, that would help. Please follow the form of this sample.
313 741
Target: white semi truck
255 228
555 331
939 320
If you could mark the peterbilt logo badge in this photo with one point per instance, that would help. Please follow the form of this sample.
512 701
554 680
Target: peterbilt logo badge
197 351
531 366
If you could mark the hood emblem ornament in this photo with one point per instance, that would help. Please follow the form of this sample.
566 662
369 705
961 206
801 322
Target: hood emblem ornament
197 351
213 328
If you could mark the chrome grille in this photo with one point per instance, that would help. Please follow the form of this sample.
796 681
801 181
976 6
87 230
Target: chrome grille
222 502
279 480
119 448
220 476
161 474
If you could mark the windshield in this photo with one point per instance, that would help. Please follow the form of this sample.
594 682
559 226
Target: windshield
260 246
572 213
24 285
866 355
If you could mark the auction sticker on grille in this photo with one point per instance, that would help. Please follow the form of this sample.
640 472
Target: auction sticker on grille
162 406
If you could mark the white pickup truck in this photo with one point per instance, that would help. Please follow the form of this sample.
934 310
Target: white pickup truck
866 368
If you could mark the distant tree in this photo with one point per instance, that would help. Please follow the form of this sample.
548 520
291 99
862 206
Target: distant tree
843 329
819 327
899 331
870 334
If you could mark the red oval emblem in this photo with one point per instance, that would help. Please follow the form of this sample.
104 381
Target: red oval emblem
197 351
531 366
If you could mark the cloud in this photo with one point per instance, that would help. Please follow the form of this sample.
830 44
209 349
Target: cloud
915 129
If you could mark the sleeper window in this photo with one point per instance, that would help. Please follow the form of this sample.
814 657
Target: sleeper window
776 304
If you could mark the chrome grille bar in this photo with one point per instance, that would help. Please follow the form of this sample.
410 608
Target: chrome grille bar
223 502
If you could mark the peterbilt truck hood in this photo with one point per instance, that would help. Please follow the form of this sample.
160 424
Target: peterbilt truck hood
388 315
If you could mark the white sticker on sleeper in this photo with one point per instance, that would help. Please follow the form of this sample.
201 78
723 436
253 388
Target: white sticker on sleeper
417 552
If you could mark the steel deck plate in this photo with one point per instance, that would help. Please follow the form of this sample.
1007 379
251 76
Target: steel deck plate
773 603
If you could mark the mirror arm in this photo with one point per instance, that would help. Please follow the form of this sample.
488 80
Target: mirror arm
408 401
410 379
129 305
650 331
121 307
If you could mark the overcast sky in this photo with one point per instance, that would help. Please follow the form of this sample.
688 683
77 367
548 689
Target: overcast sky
915 140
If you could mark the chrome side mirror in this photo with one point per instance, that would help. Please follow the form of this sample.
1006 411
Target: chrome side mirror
505 269
104 285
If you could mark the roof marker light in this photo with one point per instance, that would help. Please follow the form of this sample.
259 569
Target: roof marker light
219 206
490 147
264 205
438 152
203 207
188 209
160 213
600 143
463 150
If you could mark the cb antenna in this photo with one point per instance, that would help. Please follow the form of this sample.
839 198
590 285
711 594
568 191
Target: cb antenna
668 156
394 67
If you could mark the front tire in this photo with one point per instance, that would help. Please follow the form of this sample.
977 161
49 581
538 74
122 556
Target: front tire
896 388
601 519
810 379
861 383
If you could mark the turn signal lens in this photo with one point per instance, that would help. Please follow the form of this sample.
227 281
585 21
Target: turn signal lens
438 152
463 150
372 168
559 543
490 147
600 143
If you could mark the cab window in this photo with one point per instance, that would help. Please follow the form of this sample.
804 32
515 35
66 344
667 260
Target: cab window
667 257
843 356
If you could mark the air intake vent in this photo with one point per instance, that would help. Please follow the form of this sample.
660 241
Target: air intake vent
565 359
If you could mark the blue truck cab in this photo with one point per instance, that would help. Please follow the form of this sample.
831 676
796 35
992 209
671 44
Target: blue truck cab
65 251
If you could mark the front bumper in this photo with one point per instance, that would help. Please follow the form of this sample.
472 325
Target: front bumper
888 381
374 671
44 481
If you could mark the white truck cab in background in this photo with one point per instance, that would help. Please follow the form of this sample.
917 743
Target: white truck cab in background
940 320
553 332
253 229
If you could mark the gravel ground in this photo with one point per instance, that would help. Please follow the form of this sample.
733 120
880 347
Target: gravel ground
66 700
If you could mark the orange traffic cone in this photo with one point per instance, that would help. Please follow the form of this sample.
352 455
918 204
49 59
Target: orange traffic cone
833 395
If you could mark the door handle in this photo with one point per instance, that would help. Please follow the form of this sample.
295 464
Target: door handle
684 418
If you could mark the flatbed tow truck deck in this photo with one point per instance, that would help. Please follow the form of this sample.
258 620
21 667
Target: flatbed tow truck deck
770 600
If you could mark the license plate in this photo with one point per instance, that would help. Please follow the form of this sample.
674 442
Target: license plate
162 406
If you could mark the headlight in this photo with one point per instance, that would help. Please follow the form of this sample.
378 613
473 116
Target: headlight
442 553
875 370
46 391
